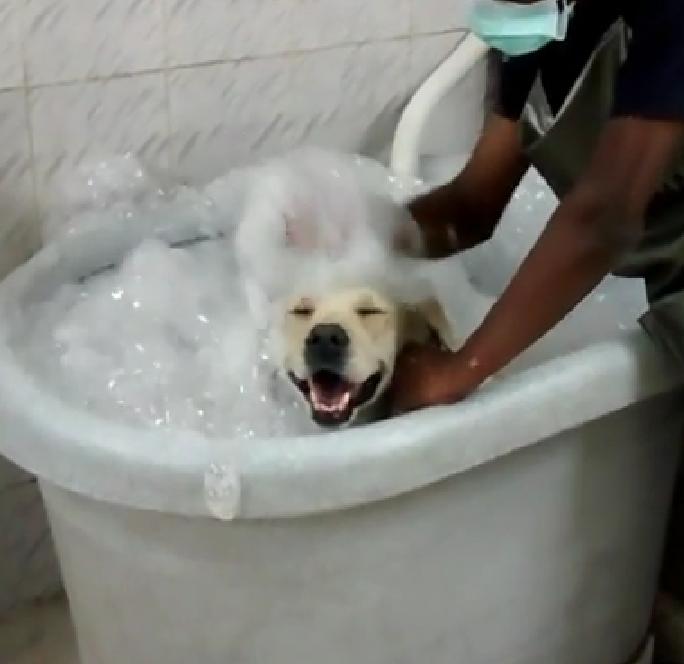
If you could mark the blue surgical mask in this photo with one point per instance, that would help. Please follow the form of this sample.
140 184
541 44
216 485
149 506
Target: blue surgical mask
518 29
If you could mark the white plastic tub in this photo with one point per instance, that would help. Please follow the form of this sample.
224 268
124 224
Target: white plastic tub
524 526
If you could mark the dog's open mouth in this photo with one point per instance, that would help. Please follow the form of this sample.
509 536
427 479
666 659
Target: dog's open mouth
333 398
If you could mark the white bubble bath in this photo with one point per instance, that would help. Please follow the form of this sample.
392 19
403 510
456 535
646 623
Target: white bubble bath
180 334
193 522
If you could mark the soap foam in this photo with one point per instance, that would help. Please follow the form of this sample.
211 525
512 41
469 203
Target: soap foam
186 337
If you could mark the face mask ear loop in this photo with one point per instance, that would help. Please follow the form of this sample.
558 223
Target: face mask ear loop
565 10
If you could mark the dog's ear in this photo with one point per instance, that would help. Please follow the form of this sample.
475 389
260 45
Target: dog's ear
426 322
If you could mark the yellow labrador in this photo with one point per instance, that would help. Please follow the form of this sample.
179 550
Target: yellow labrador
339 349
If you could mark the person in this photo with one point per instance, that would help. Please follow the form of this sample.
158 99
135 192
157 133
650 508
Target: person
592 95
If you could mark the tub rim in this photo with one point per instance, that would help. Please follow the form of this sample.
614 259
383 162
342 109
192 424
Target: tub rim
294 476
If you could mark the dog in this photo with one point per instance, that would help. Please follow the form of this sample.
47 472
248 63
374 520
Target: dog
339 349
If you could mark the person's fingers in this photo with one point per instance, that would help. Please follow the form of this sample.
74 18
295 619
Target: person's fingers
408 240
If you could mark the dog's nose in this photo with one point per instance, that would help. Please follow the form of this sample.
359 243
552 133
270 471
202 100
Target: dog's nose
331 336
326 346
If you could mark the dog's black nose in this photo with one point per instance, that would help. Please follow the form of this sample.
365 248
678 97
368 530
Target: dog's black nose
326 347
330 336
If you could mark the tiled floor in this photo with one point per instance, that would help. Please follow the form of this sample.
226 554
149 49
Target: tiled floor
39 634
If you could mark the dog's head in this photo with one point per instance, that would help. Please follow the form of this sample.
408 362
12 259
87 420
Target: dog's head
339 349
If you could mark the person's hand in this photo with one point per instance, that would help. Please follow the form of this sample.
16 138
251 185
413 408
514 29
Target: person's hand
408 237
429 376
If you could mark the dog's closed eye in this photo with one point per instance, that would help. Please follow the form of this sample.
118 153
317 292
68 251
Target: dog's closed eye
303 309
302 312
365 312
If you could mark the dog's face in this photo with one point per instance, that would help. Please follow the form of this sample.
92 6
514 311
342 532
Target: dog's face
339 349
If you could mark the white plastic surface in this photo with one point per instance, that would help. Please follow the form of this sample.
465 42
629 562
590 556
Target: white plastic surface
405 158
166 470
522 526
186 338
547 555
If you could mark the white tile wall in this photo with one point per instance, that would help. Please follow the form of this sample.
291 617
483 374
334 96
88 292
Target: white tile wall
427 51
17 202
80 121
439 15
221 114
201 31
318 92
11 67
67 40
321 23
200 85
197 85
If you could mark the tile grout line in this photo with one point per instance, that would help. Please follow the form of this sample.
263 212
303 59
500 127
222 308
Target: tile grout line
221 61
167 92
412 18
35 221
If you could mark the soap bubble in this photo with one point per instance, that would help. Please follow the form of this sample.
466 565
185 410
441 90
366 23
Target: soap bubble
163 341
185 336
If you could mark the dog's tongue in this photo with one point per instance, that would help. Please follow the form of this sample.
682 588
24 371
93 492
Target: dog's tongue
330 393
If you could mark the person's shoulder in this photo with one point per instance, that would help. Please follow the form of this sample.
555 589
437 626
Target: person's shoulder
653 16
650 82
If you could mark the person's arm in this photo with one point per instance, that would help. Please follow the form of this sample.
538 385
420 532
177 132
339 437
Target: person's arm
465 211
592 228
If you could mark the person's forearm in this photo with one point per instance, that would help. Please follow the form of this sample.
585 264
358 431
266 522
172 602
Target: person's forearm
594 226
579 247
596 223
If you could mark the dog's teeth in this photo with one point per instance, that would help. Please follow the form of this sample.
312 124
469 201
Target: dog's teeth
339 404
